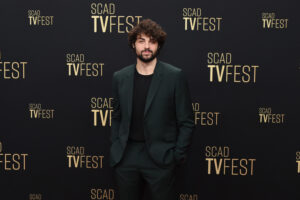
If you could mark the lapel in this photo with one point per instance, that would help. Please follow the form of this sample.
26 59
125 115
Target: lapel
154 85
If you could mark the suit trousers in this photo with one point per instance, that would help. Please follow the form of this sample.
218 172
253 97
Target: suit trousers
137 170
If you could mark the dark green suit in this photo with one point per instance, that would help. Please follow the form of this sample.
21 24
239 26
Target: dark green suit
168 127
168 115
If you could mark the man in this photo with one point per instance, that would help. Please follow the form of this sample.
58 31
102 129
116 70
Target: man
152 120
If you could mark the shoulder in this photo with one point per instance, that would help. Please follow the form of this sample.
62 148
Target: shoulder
122 72
173 72
176 74
170 68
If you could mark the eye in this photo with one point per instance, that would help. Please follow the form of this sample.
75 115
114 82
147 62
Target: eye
153 41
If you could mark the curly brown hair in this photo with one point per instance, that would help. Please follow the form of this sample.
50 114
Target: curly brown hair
149 28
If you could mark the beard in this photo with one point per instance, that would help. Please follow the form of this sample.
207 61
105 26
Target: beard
146 60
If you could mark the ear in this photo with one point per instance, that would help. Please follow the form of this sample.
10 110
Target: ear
133 46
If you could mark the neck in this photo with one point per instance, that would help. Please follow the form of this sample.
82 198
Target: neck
146 68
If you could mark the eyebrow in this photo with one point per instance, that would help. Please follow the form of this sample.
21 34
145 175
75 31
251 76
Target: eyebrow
140 38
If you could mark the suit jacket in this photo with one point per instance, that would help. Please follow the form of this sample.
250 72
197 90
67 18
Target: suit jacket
168 114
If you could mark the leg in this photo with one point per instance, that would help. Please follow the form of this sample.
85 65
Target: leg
161 181
129 183
127 175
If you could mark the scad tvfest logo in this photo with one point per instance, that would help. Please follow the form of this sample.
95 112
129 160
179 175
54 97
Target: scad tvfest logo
106 20
267 117
269 21
36 19
221 69
77 66
220 162
37 112
195 21
77 158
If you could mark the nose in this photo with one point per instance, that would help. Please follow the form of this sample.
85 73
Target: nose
147 44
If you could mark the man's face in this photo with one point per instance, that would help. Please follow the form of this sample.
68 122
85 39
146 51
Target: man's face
146 48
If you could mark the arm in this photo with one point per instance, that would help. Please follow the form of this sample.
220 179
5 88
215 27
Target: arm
116 114
185 118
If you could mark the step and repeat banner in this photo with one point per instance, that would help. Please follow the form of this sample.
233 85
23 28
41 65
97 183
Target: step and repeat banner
242 61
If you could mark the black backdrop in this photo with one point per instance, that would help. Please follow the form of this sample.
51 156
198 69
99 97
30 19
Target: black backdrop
250 118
